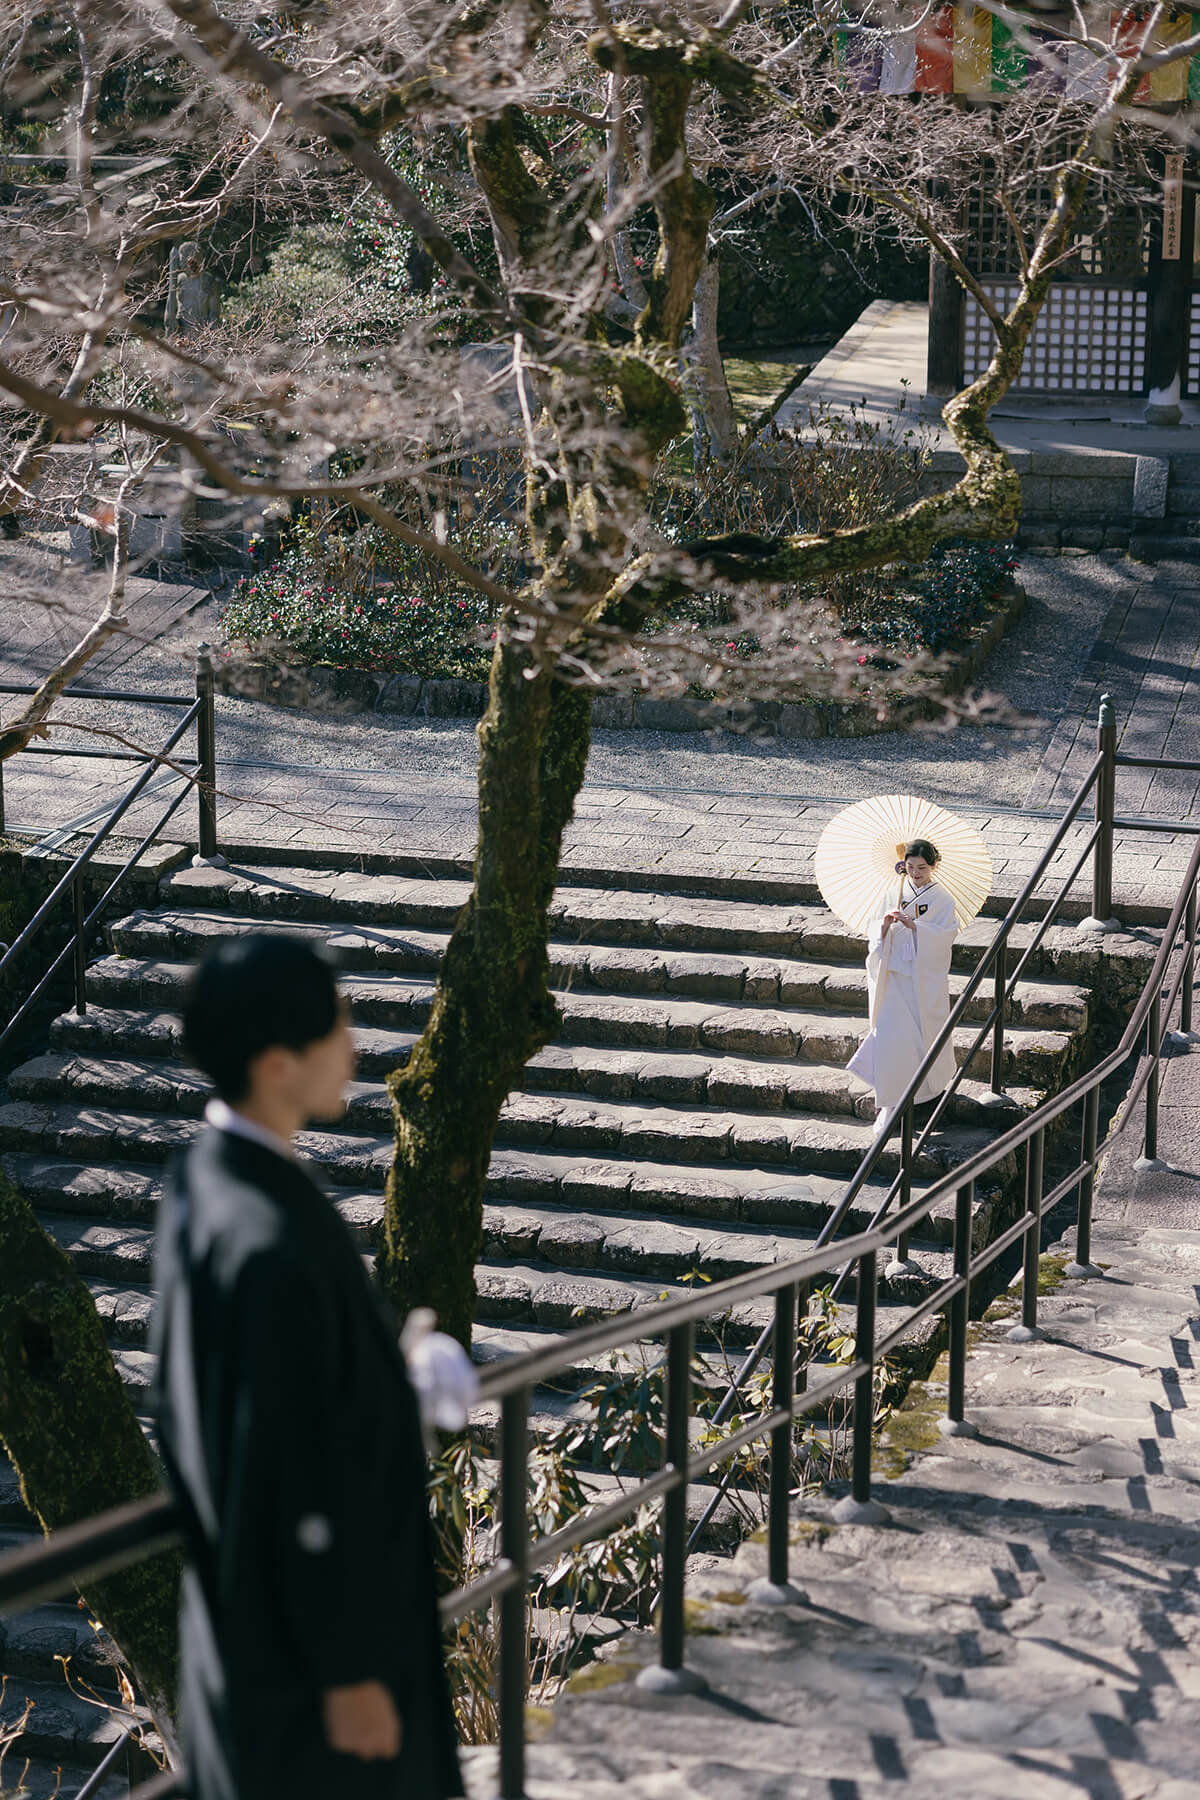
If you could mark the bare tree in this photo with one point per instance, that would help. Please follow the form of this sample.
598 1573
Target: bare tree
174 119
575 119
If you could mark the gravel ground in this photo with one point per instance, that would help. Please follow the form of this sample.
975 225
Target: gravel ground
1035 669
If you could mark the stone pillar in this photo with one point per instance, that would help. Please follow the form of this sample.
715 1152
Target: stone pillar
944 368
1170 280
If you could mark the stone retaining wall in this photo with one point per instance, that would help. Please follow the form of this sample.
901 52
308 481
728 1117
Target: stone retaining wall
358 690
1084 498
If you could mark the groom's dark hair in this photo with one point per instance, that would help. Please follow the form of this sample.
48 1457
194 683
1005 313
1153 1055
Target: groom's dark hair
250 994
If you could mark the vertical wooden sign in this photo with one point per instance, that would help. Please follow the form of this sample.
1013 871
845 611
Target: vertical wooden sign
1172 237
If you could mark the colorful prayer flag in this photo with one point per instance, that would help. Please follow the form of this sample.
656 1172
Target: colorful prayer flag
898 74
935 52
1008 58
972 50
967 50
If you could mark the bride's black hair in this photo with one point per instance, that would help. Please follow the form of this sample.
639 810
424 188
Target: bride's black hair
923 848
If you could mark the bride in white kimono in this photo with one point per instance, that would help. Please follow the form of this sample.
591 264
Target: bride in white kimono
908 967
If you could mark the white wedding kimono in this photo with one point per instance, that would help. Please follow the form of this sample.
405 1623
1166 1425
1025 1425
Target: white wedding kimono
908 979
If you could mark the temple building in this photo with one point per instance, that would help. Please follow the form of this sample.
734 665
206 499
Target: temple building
1122 319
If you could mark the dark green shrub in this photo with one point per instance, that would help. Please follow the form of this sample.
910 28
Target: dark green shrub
358 600
930 607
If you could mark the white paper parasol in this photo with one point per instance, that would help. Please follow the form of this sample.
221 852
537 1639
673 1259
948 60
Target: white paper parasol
860 847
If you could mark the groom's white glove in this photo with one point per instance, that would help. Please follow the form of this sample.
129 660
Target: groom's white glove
444 1377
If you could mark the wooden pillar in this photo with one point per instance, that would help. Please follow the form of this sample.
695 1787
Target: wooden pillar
1170 282
944 366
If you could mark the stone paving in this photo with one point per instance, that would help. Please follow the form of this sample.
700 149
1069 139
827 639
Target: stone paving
1028 1622
1147 656
659 809
621 836
662 810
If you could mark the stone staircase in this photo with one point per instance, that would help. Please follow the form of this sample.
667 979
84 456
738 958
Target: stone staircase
54 1661
694 1120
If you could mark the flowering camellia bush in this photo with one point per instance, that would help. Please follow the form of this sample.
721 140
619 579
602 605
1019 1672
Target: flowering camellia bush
930 607
354 603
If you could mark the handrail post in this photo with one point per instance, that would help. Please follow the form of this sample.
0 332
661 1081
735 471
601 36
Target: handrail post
668 1675
1189 972
1101 918
1000 995
1185 1035
79 946
858 1508
900 1265
954 1424
514 1548
206 756
1149 1162
775 1589
1035 1165
1083 1267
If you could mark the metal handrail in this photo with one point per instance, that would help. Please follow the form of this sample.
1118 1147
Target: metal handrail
1156 762
78 693
197 772
69 1557
111 1757
995 955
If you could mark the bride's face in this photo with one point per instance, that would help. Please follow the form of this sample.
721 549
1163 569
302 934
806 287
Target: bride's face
919 871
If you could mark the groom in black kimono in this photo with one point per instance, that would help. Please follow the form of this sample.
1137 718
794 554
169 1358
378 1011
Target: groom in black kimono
311 1660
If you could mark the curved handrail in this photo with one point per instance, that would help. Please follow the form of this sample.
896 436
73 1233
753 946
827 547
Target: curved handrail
42 1570
197 774
67 1557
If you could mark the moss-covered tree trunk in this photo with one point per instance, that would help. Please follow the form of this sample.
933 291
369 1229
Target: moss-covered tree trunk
493 1009
71 1434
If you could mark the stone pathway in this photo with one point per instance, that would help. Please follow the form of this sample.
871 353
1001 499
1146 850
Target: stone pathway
666 809
738 844
1147 657
1029 1622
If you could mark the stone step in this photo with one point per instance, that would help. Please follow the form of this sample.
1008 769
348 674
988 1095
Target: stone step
116 1042
171 934
1032 1058
549 1267
61 1726
126 1190
620 1131
13 1510
634 1127
31 1642
615 916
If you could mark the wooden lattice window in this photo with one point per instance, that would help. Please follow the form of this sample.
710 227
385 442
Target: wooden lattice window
1193 356
1087 340
1111 241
